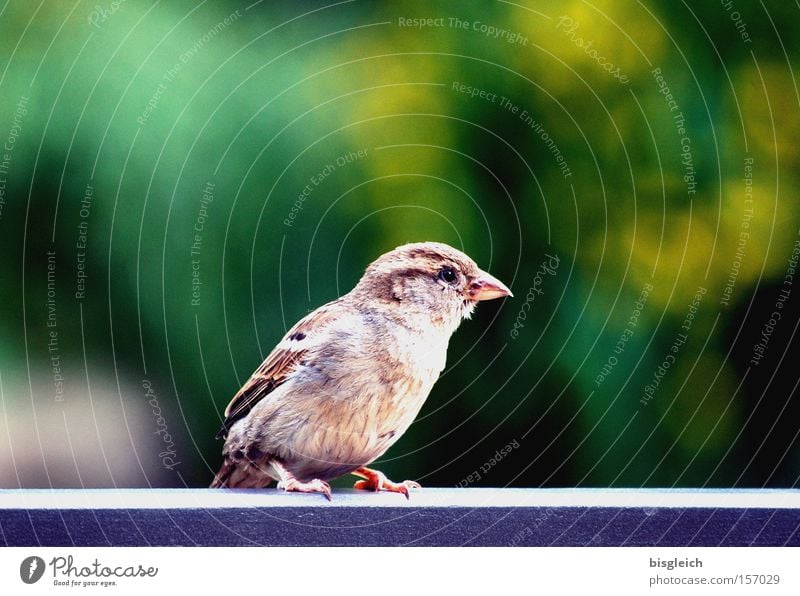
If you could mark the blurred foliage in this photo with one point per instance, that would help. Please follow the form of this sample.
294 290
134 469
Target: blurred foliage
188 128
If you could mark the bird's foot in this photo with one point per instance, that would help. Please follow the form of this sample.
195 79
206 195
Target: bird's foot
314 486
291 484
377 481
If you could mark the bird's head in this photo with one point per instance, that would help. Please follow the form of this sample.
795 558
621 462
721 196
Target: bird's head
429 280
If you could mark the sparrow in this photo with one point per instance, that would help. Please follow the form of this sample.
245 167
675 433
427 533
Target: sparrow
349 378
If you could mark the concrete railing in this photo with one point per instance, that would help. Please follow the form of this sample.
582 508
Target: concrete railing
433 517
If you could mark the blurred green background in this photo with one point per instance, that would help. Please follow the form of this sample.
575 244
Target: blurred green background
181 182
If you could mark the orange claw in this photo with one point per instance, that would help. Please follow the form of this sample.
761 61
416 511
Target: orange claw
377 481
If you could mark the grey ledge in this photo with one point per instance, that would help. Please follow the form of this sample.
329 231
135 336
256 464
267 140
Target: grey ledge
432 517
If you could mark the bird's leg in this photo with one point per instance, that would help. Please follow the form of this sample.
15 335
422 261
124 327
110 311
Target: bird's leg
289 483
377 481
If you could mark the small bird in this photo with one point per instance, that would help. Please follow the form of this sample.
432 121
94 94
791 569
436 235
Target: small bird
349 378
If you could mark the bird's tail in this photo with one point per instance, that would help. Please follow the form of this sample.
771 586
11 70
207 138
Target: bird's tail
224 474
243 473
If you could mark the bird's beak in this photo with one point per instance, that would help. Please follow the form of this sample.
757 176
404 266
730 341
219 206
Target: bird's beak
487 287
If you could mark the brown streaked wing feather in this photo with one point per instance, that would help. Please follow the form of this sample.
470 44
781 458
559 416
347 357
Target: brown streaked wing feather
274 371
276 368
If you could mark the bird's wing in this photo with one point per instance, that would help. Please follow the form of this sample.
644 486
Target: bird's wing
292 351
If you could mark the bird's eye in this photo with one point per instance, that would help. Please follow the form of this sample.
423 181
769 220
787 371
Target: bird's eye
448 275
